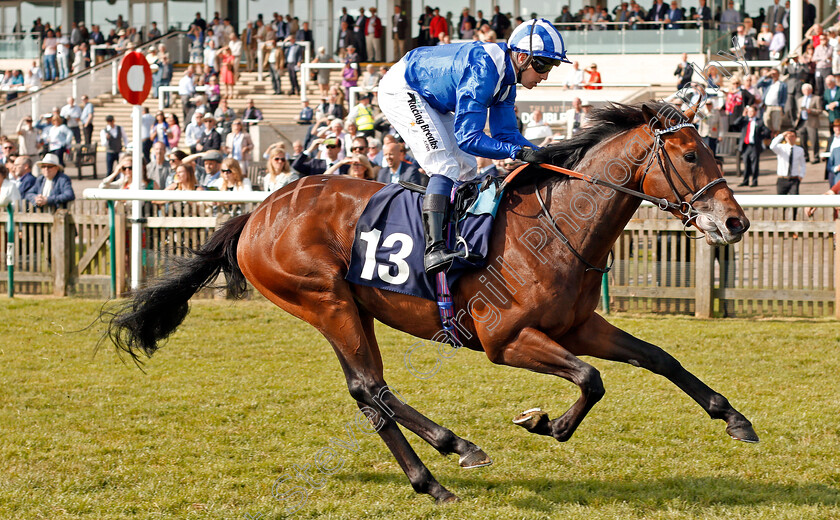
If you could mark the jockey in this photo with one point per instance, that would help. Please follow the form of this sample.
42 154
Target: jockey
437 98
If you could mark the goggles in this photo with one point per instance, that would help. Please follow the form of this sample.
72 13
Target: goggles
542 65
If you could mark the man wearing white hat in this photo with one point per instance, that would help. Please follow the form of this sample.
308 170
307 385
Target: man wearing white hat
52 188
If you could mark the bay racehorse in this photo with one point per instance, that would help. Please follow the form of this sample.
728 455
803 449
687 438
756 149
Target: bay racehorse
294 248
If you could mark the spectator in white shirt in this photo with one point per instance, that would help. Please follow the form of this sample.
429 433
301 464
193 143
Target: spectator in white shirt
775 97
574 118
790 164
210 56
574 78
72 115
235 46
9 191
777 44
27 137
709 126
62 54
186 89
193 132
537 130
58 138
32 79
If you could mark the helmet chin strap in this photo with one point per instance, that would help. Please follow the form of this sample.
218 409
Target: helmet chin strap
527 63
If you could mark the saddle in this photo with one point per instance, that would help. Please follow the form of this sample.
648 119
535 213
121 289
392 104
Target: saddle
387 251
466 200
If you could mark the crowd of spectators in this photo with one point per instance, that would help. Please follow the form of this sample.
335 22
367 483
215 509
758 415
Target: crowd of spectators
219 49
787 106
207 145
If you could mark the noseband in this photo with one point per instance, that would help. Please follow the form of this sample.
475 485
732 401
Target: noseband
682 206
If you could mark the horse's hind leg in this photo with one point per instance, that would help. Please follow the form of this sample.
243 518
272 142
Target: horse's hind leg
440 438
418 474
598 338
339 320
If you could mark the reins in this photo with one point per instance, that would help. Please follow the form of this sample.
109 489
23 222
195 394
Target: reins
683 207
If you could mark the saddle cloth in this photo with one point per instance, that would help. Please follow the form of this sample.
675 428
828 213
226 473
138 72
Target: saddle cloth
389 244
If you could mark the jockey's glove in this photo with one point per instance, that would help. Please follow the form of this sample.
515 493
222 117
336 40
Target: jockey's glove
529 155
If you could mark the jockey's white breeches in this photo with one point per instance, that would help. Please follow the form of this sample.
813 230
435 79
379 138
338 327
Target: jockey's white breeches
429 134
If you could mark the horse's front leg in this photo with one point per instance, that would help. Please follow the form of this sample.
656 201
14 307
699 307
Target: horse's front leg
598 338
535 351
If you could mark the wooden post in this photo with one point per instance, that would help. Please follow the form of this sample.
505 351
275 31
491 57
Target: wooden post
704 282
837 269
62 251
119 246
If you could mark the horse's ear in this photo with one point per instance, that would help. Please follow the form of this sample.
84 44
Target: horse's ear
648 113
692 110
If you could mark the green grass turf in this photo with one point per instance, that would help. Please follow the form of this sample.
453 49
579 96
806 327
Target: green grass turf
243 392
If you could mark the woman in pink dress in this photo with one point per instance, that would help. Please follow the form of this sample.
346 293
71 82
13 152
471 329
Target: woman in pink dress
227 72
173 132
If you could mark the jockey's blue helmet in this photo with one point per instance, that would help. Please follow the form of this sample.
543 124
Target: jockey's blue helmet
539 39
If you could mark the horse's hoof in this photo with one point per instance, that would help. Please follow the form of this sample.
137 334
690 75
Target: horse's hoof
531 419
743 432
447 499
475 459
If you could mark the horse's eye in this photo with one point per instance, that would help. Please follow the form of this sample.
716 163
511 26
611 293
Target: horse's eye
690 157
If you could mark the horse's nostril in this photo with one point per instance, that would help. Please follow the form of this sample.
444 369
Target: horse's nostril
734 225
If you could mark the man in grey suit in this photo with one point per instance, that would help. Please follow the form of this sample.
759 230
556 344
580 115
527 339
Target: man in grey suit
395 168
775 14
808 121
294 56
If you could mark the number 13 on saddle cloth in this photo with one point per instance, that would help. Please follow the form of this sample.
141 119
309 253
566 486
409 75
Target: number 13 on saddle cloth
388 247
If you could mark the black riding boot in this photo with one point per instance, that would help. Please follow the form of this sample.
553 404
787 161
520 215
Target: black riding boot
437 256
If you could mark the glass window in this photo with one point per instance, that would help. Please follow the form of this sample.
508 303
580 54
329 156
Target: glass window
301 11
182 13
506 7
156 15
418 7
98 12
138 15
267 8
486 8
47 13
10 20
320 23
543 9
244 14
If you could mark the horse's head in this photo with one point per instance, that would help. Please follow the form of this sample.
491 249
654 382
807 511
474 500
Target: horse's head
683 170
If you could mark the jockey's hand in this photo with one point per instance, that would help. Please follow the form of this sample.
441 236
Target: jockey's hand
529 155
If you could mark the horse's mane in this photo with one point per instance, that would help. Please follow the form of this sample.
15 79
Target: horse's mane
603 123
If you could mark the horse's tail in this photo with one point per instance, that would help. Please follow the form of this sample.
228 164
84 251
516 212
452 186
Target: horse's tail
155 311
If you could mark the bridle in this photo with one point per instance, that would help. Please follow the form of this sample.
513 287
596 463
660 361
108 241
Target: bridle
681 206
685 208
